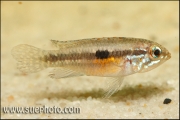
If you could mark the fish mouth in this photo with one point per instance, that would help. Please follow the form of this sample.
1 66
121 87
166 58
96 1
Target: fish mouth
168 56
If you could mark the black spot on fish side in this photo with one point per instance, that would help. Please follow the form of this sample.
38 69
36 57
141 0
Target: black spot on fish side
102 54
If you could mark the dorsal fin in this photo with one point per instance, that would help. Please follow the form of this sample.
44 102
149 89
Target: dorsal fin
66 44
72 43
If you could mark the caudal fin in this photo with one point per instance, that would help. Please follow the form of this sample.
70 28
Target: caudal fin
29 58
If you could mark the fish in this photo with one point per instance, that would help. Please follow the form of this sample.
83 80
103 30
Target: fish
110 57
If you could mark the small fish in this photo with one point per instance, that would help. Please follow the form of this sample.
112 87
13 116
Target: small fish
114 57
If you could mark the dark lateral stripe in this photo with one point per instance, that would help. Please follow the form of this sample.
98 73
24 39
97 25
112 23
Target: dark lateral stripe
139 52
88 56
127 52
74 56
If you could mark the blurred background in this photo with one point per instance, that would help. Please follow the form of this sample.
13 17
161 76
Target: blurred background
36 23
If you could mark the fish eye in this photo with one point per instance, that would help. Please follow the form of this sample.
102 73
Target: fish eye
156 52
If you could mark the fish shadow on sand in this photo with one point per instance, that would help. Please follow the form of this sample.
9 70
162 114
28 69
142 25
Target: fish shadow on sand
126 93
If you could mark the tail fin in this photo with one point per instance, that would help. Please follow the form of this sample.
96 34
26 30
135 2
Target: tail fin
29 58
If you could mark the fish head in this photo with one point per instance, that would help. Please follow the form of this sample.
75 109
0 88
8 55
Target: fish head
156 55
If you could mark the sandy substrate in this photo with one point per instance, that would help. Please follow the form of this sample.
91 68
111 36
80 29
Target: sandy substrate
142 95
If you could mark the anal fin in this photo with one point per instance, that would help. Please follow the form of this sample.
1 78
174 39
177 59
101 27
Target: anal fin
63 73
